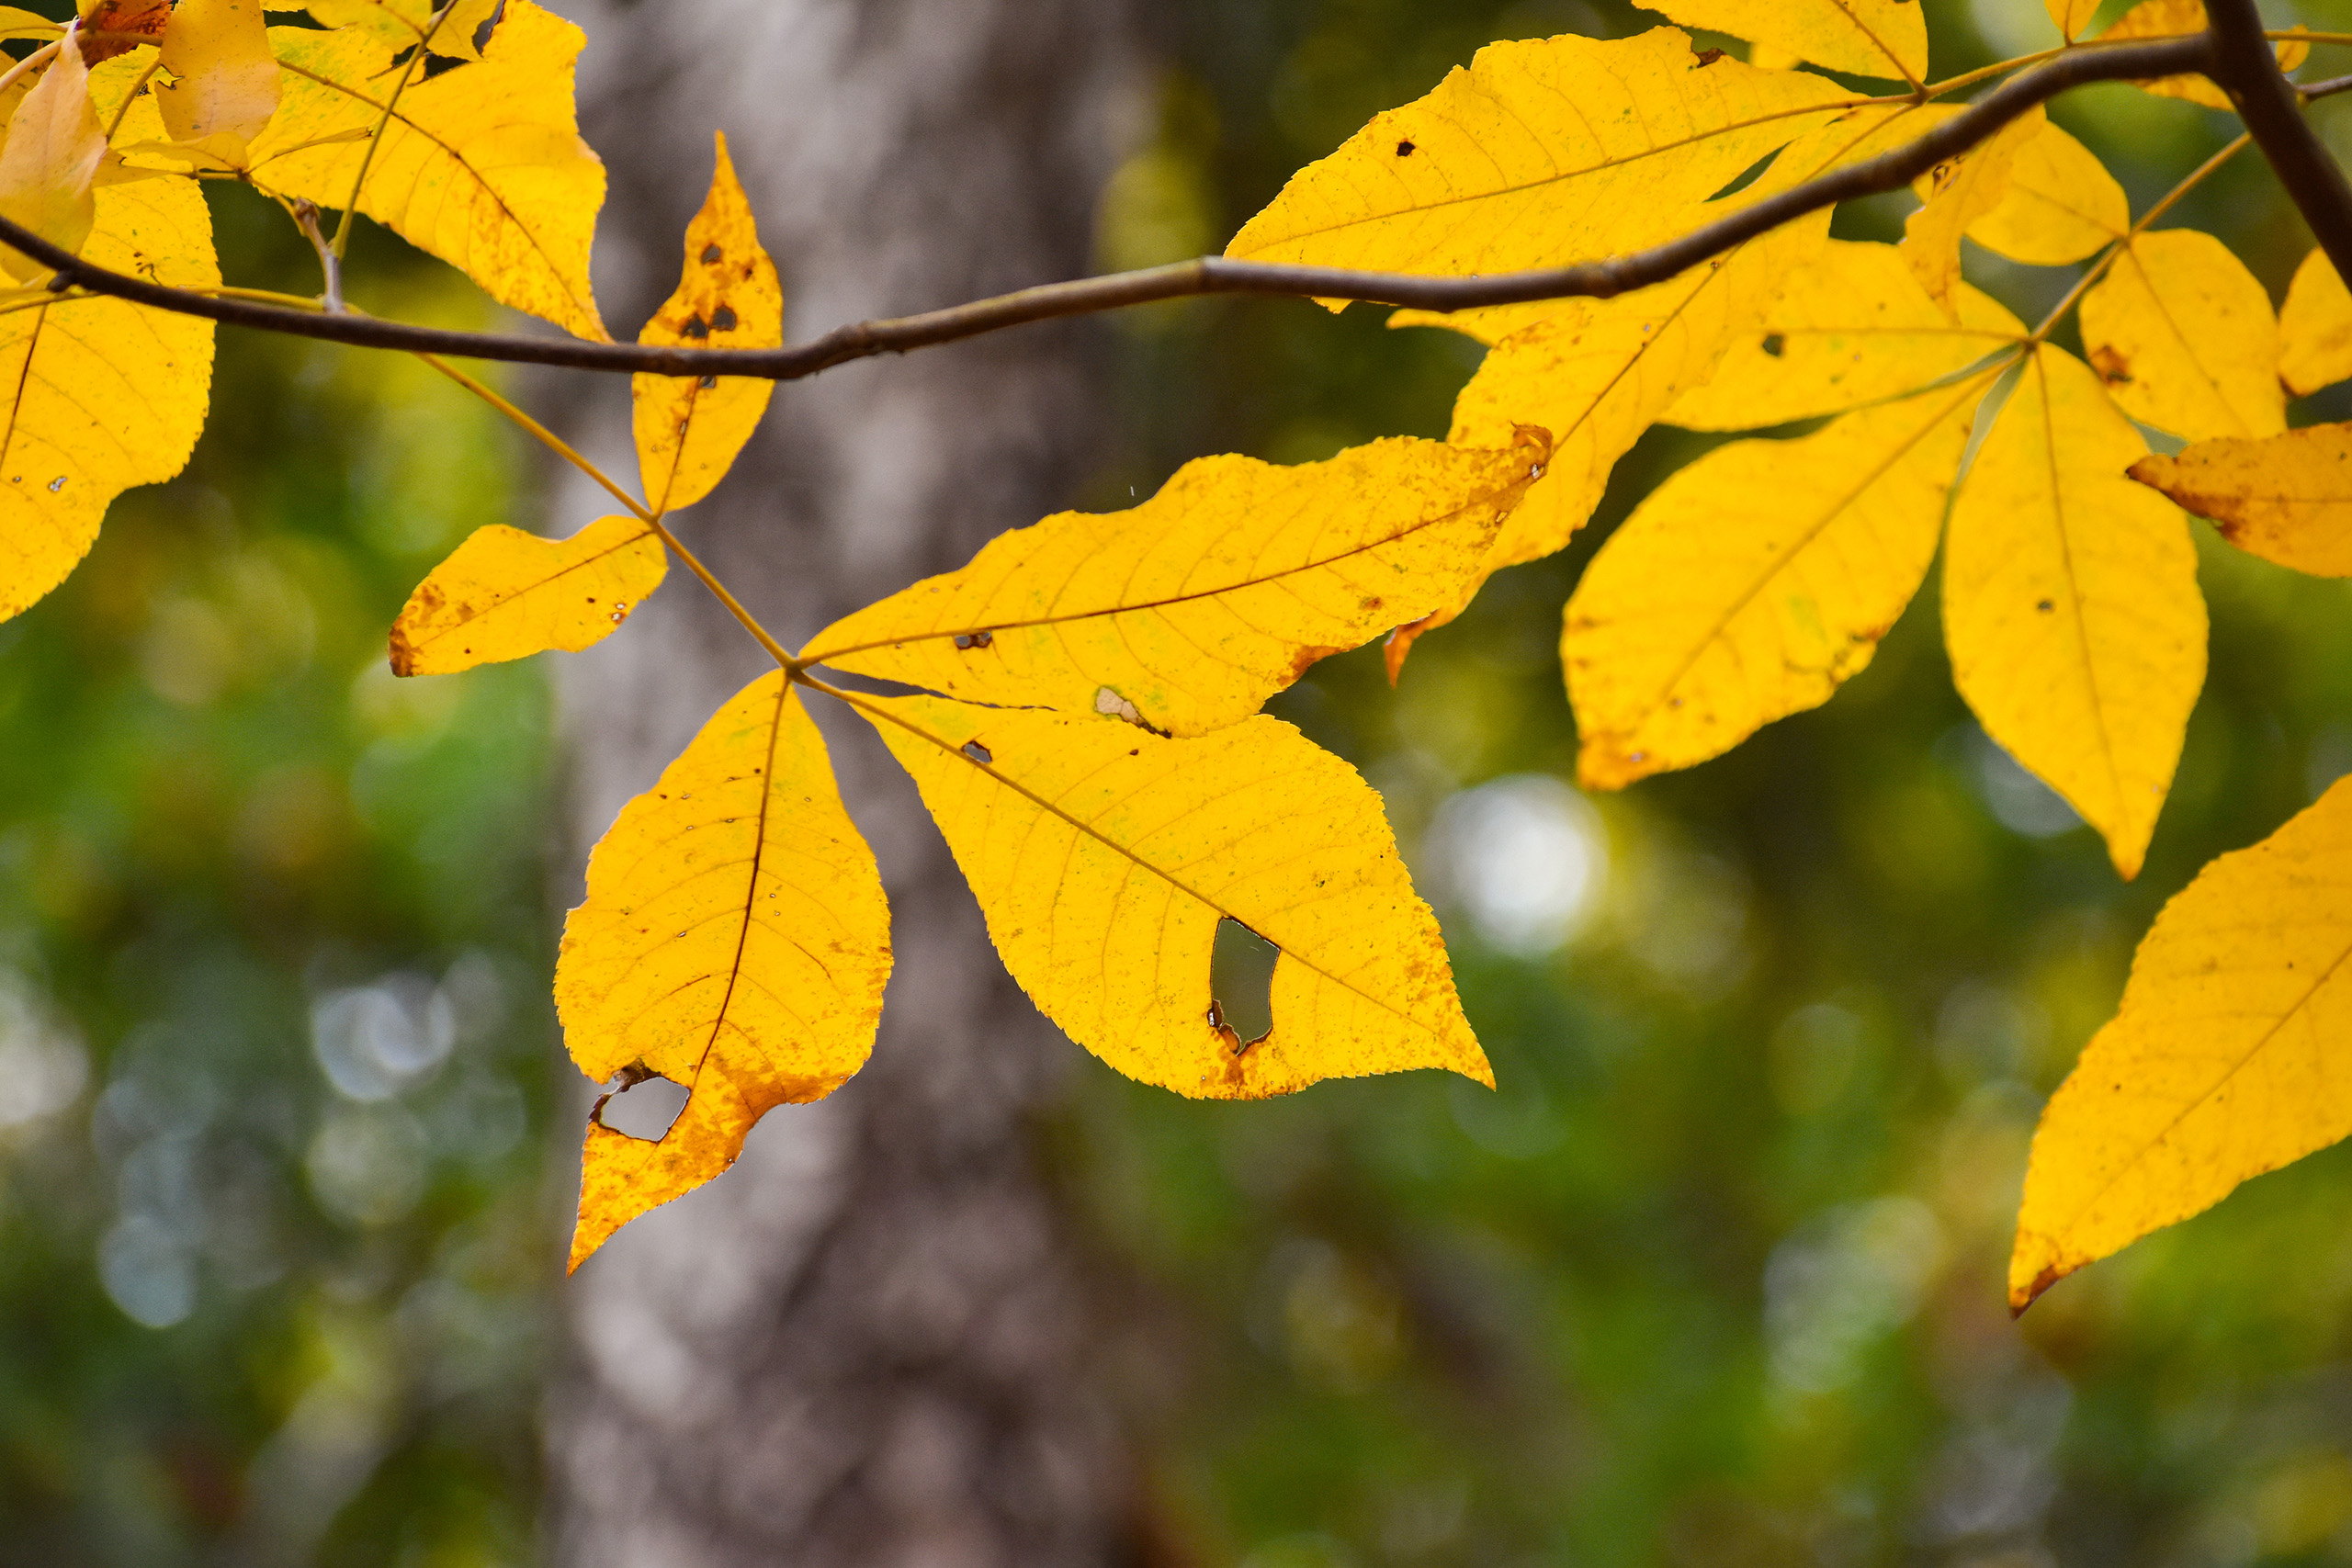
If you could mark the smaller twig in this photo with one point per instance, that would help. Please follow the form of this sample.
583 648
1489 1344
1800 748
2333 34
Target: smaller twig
306 215
2311 92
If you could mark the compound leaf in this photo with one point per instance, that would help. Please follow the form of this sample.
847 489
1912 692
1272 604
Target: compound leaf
734 940
1867 38
2315 328
1543 152
507 595
2071 608
1104 858
690 429
2183 335
1853 328
2224 1061
2287 498
483 165
1189 611
101 394
1753 582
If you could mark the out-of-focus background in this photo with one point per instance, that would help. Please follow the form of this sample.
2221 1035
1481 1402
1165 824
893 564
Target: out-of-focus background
1716 1277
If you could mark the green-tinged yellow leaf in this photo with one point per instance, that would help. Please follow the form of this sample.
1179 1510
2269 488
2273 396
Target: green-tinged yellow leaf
225 78
2287 498
49 164
2224 1061
2062 204
690 429
2315 328
2183 335
101 395
734 940
1186 612
1853 328
2071 607
1868 38
2072 16
1104 858
507 595
2177 18
482 165
1959 192
1541 153
1753 582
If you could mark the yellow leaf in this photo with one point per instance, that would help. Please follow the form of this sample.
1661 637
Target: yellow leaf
690 429
102 395
227 77
2072 16
1104 858
2224 1061
2176 18
2062 204
1189 611
482 165
1868 38
15 22
1853 328
1960 191
507 595
1601 371
2287 498
2315 328
1753 582
734 940
2071 607
1541 153
50 162
2183 335
402 23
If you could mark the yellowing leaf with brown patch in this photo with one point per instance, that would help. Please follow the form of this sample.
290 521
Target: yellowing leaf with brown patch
1958 193
1853 328
49 165
2177 18
1867 38
2060 206
2226 1060
100 394
1104 858
482 165
2183 335
2315 328
508 594
1190 610
734 940
2287 498
1551 150
2071 608
1752 583
223 76
689 429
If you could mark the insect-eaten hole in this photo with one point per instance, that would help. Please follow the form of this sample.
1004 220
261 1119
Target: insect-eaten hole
1241 982
644 1109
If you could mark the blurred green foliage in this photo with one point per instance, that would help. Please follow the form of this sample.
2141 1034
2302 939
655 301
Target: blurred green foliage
1713 1279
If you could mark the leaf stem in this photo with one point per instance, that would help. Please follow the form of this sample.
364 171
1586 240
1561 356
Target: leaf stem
2100 268
637 509
367 159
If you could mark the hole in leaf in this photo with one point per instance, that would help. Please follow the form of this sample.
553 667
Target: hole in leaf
645 1110
1241 980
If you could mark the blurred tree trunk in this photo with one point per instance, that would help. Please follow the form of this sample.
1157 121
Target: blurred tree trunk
870 1342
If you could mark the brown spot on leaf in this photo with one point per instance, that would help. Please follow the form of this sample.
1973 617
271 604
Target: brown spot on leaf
1708 57
695 327
711 254
2113 368
1404 149
723 320
1775 345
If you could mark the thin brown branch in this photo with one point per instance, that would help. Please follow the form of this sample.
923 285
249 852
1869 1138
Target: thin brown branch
2273 111
1208 274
